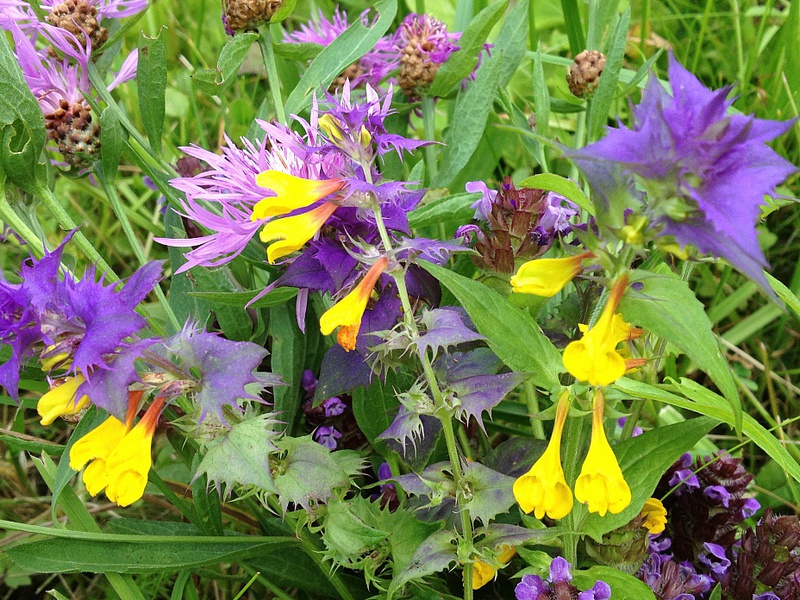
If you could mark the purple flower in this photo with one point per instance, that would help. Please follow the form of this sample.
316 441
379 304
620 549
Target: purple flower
327 436
333 407
750 507
483 205
530 588
718 494
372 68
533 587
599 591
558 211
559 570
715 559
705 171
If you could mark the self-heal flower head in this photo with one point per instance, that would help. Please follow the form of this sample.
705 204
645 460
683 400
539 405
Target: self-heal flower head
348 312
289 234
62 400
558 585
547 276
655 516
601 485
594 357
290 193
543 489
706 172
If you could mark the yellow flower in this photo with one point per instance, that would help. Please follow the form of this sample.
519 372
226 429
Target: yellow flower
601 485
547 276
347 313
61 359
594 358
544 489
97 446
655 516
335 131
291 193
128 465
483 573
61 400
293 232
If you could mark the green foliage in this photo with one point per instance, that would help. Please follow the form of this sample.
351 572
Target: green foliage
230 60
151 79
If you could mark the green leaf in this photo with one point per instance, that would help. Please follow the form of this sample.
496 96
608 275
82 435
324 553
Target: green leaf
165 555
299 52
435 554
491 492
512 41
351 45
288 354
643 460
512 334
276 297
463 61
471 111
560 185
285 10
622 584
666 307
785 294
22 132
230 59
241 456
601 101
151 80
111 142
706 402
374 409
449 208
206 503
346 533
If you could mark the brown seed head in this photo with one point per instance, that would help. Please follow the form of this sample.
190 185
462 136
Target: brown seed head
584 74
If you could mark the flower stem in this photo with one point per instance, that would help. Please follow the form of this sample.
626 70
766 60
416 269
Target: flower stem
10 217
66 222
136 245
429 128
268 54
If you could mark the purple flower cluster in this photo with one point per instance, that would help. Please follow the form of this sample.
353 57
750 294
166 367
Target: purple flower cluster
410 57
670 579
88 329
705 171
558 585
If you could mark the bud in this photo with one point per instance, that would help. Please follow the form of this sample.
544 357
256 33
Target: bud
77 136
80 19
584 74
240 15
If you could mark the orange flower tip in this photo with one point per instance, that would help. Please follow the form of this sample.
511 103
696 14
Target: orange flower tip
636 333
634 363
347 336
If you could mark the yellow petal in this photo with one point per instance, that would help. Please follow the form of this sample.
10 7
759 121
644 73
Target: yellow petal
291 193
347 313
481 574
601 485
655 516
95 476
98 443
293 232
61 400
547 276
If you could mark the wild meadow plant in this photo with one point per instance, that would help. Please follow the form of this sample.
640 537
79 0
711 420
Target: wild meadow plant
396 310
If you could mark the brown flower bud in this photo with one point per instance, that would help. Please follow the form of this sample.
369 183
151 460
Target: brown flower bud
241 15
80 19
584 74
77 136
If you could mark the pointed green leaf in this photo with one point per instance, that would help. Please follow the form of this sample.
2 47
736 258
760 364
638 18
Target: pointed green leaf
560 185
622 584
151 80
230 59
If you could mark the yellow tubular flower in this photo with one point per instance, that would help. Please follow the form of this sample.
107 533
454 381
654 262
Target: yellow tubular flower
293 232
61 400
655 516
346 314
547 276
129 463
483 573
291 193
594 358
544 489
97 446
601 485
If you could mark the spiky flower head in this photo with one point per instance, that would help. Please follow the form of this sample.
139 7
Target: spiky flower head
705 171
711 500
522 223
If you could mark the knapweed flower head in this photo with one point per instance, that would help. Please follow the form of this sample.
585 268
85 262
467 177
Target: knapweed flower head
558 585
372 68
79 327
423 43
594 358
242 15
705 171
543 489
601 484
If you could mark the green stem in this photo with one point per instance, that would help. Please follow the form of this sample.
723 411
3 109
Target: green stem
65 221
136 245
532 399
644 34
429 129
315 554
10 217
268 54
